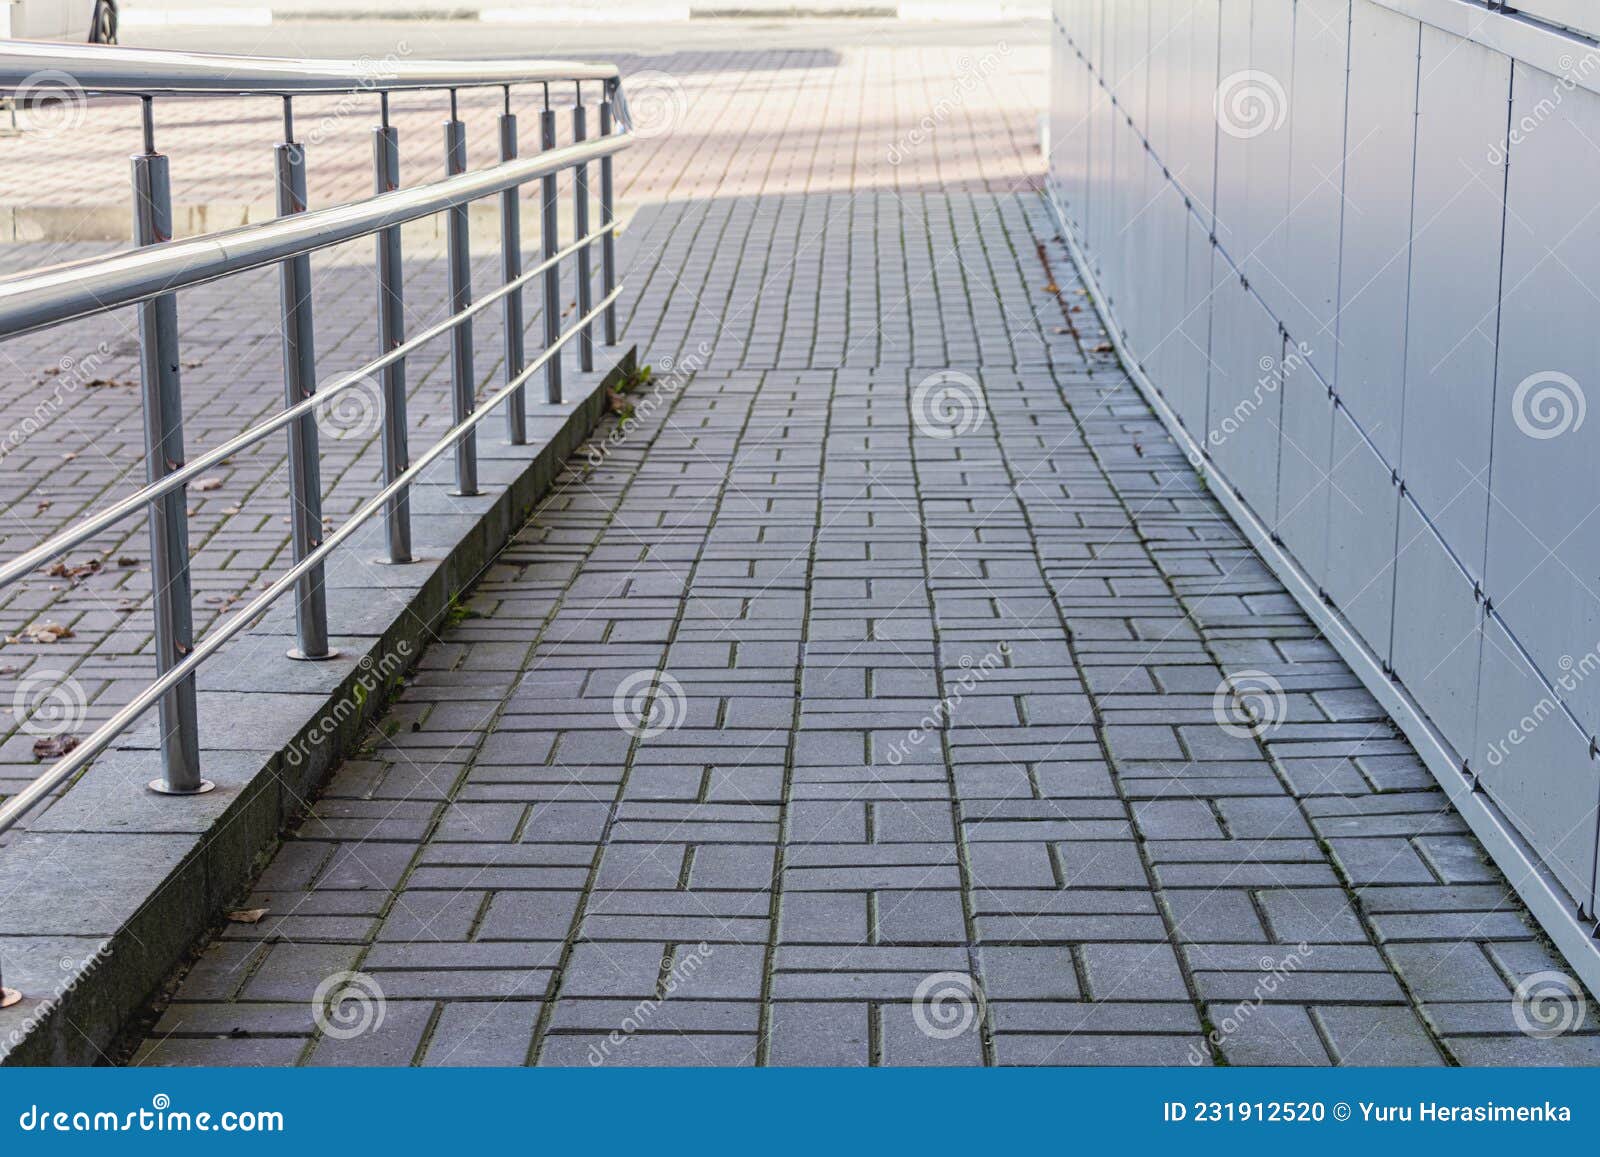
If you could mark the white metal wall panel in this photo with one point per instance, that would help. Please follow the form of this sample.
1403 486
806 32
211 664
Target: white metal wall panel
1195 336
1377 221
1428 494
1362 509
1452 319
1303 462
1544 528
1536 766
1310 271
1245 399
1437 621
1231 178
1453 311
1272 72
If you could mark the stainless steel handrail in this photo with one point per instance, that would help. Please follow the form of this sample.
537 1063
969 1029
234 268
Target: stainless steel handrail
24 801
149 276
142 71
77 289
59 544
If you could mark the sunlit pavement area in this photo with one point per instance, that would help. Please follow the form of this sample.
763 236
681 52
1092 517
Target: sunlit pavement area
864 700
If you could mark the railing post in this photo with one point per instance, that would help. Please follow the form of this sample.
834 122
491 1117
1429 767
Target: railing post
552 276
511 269
608 241
299 383
163 443
463 386
391 333
580 226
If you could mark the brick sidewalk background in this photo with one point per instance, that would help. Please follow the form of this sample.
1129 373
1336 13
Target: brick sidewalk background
818 718
716 124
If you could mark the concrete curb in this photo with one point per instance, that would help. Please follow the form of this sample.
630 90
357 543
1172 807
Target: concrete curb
104 893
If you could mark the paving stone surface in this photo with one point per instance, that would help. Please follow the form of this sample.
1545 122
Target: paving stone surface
864 698
716 123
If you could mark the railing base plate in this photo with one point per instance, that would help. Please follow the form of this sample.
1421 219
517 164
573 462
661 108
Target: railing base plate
297 653
159 786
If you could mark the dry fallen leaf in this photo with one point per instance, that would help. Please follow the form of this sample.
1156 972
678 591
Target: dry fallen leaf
81 570
45 632
54 746
127 560
208 484
247 915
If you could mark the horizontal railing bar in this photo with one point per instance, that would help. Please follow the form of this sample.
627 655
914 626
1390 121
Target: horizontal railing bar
25 800
134 503
77 289
143 71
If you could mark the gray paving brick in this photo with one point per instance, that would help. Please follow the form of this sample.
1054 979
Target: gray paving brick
780 521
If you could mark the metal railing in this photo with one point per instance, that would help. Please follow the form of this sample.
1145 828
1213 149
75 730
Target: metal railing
149 276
